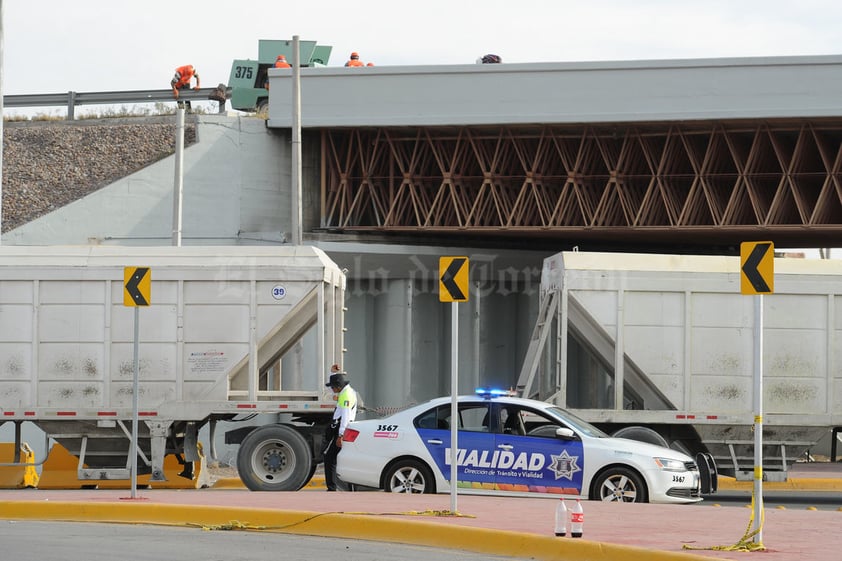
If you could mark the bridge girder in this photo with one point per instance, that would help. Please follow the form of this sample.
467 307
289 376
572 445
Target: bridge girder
693 183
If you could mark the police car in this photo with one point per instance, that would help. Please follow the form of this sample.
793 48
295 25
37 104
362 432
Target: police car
510 445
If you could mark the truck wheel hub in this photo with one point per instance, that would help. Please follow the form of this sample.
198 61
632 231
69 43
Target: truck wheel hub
274 461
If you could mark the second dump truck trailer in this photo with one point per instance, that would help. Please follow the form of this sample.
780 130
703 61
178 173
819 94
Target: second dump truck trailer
660 348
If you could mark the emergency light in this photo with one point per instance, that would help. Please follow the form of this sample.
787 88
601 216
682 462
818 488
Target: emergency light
488 393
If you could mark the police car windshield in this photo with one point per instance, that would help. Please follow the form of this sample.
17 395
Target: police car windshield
577 424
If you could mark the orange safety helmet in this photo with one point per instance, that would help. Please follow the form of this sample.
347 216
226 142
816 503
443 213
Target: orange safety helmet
355 55
281 57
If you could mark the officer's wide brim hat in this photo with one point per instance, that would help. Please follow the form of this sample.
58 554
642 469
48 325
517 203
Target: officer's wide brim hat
339 379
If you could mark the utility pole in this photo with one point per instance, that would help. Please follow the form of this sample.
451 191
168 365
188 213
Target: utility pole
2 117
296 143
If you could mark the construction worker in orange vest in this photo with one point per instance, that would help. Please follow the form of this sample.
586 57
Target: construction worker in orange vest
280 62
355 60
181 80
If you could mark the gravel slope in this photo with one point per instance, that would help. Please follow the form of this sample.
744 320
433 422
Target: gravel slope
48 164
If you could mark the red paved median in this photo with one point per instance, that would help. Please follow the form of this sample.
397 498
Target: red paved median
788 535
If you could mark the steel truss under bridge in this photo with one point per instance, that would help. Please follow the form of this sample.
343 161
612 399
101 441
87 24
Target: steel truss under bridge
699 182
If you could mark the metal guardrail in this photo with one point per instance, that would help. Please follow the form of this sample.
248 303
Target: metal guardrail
221 93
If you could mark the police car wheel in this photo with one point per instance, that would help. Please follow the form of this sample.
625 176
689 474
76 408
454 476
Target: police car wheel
409 476
619 484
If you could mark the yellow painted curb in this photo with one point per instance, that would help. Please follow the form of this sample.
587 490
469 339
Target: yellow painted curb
801 484
228 483
341 525
234 483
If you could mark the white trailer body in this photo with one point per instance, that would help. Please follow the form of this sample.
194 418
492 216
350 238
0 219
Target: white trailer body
210 342
660 348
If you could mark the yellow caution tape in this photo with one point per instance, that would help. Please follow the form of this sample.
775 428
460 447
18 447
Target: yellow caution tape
237 525
232 525
414 513
745 543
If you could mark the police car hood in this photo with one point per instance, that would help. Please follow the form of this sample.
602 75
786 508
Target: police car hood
645 448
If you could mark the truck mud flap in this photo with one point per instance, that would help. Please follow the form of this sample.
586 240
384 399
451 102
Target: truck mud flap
708 473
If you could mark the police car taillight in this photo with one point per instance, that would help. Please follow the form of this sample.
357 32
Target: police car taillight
350 435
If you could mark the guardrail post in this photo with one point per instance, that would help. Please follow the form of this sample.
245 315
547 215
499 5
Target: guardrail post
220 94
71 102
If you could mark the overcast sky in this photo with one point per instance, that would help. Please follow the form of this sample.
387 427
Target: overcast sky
53 46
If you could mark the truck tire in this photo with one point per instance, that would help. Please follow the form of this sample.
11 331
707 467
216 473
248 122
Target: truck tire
274 458
620 484
642 434
409 476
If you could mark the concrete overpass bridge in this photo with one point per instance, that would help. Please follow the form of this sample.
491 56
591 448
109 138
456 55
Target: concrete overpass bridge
687 155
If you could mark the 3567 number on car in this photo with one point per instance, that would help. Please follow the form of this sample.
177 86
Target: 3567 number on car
387 431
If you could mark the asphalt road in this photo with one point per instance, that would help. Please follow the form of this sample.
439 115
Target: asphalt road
60 541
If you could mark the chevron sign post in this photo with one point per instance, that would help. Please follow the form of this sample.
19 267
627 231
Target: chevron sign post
757 277
137 291
453 288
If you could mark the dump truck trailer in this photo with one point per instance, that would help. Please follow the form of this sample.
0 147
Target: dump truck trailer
210 347
660 348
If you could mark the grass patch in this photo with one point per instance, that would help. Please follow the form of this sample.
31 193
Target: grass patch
157 109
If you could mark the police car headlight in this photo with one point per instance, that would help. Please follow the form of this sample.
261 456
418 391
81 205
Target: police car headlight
667 464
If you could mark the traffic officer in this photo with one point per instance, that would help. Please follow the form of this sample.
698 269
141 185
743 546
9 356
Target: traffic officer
344 413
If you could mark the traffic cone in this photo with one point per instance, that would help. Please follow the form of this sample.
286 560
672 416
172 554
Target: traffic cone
577 520
561 519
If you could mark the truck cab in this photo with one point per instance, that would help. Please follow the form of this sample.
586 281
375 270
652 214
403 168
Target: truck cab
249 80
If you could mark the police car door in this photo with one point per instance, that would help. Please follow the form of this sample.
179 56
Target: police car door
530 457
475 441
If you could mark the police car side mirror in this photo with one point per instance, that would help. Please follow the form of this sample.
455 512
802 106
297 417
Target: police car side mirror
565 433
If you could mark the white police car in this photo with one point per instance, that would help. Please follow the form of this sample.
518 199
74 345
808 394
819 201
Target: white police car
511 445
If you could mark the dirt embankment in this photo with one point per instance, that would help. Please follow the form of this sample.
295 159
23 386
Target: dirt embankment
49 164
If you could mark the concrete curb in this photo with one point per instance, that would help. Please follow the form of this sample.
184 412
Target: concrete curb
348 525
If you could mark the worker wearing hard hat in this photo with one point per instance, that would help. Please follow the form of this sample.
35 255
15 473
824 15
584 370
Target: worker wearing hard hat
280 62
490 59
354 60
181 80
182 77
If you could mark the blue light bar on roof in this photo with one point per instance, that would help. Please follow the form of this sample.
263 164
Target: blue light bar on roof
488 393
